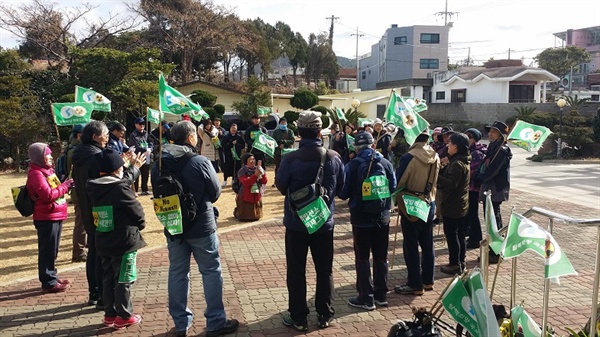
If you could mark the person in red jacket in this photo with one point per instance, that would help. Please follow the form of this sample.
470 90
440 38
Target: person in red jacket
253 179
48 215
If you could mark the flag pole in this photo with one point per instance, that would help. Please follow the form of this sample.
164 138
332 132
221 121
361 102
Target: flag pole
56 128
395 239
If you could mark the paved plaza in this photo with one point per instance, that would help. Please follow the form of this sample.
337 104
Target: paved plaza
255 292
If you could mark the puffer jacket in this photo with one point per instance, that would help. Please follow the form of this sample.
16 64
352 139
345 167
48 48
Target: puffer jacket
200 179
477 151
454 183
299 169
86 165
44 185
496 175
413 171
208 147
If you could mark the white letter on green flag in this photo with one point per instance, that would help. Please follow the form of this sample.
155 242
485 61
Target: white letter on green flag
457 303
154 116
264 143
486 319
72 113
170 99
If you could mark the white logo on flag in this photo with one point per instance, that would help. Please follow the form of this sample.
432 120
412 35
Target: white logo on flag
408 119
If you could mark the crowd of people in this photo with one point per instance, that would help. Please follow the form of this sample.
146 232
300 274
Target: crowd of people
448 171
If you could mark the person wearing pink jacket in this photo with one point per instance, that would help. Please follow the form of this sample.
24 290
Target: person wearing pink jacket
48 215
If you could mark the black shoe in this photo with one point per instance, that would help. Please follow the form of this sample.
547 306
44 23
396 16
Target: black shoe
472 245
100 305
324 322
355 302
408 290
289 322
93 299
181 333
451 269
230 326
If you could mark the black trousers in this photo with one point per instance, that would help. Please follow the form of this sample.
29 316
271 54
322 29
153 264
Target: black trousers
473 221
48 234
420 270
369 240
116 296
93 267
144 174
296 249
455 229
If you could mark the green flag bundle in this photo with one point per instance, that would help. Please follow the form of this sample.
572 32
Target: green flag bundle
487 324
417 105
264 143
263 110
99 101
72 113
458 304
170 99
528 136
340 114
350 142
234 154
523 323
496 240
402 115
523 234
154 116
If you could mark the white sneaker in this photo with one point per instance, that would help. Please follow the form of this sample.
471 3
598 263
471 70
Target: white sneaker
224 183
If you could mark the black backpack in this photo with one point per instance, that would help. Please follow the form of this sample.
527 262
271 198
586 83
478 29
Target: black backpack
23 202
367 169
169 183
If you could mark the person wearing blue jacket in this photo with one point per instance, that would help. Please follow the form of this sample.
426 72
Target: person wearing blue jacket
299 169
370 222
199 239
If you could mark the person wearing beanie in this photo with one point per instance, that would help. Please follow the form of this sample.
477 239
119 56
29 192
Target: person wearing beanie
454 183
49 212
119 218
477 151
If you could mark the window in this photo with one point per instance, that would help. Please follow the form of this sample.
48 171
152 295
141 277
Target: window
595 98
429 64
458 95
364 75
380 111
400 40
430 38
440 95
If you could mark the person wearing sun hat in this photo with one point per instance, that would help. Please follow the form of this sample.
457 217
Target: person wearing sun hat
495 173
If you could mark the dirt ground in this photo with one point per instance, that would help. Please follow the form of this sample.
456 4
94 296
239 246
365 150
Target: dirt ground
18 239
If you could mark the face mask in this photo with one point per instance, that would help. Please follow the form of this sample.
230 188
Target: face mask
283 127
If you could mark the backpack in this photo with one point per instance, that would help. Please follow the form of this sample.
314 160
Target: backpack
307 194
23 202
375 187
60 168
169 183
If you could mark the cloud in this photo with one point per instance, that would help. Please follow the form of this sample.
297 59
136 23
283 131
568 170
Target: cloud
508 27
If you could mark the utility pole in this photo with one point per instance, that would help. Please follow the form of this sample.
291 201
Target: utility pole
509 53
357 68
469 57
446 14
332 18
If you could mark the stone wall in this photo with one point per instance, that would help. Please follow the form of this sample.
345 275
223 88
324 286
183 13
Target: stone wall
489 112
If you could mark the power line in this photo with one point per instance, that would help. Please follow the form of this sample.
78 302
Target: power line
332 18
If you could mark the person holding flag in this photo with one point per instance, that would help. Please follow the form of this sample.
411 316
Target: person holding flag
249 137
285 139
233 144
477 151
253 181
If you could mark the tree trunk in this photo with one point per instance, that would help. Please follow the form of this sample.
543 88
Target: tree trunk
294 74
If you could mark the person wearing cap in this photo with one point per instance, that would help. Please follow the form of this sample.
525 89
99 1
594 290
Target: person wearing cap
413 174
442 151
251 131
370 231
285 139
50 210
494 174
116 135
453 180
382 138
298 170
477 151
79 252
143 144
117 235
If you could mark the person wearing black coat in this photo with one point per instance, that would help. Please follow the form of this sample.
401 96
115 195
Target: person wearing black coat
232 140
249 140
120 218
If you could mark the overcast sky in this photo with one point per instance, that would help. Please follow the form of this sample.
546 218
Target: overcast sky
489 28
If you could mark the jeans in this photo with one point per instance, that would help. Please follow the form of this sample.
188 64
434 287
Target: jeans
48 233
420 270
454 229
367 240
296 249
206 254
473 221
116 296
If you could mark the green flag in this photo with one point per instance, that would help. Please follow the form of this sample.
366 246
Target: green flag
523 234
263 110
416 104
340 114
457 303
154 116
350 141
264 143
528 136
171 100
364 121
287 151
490 223
199 115
487 325
72 113
402 115
523 323
100 102
234 154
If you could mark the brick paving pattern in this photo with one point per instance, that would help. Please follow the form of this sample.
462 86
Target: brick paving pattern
255 292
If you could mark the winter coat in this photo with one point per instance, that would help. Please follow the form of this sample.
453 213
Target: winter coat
247 177
383 144
141 140
208 146
413 171
454 183
227 144
299 169
496 174
116 144
44 185
250 141
199 178
477 152
285 138
127 215
74 143
353 189
340 145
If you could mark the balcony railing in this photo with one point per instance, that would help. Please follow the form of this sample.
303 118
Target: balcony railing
521 100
